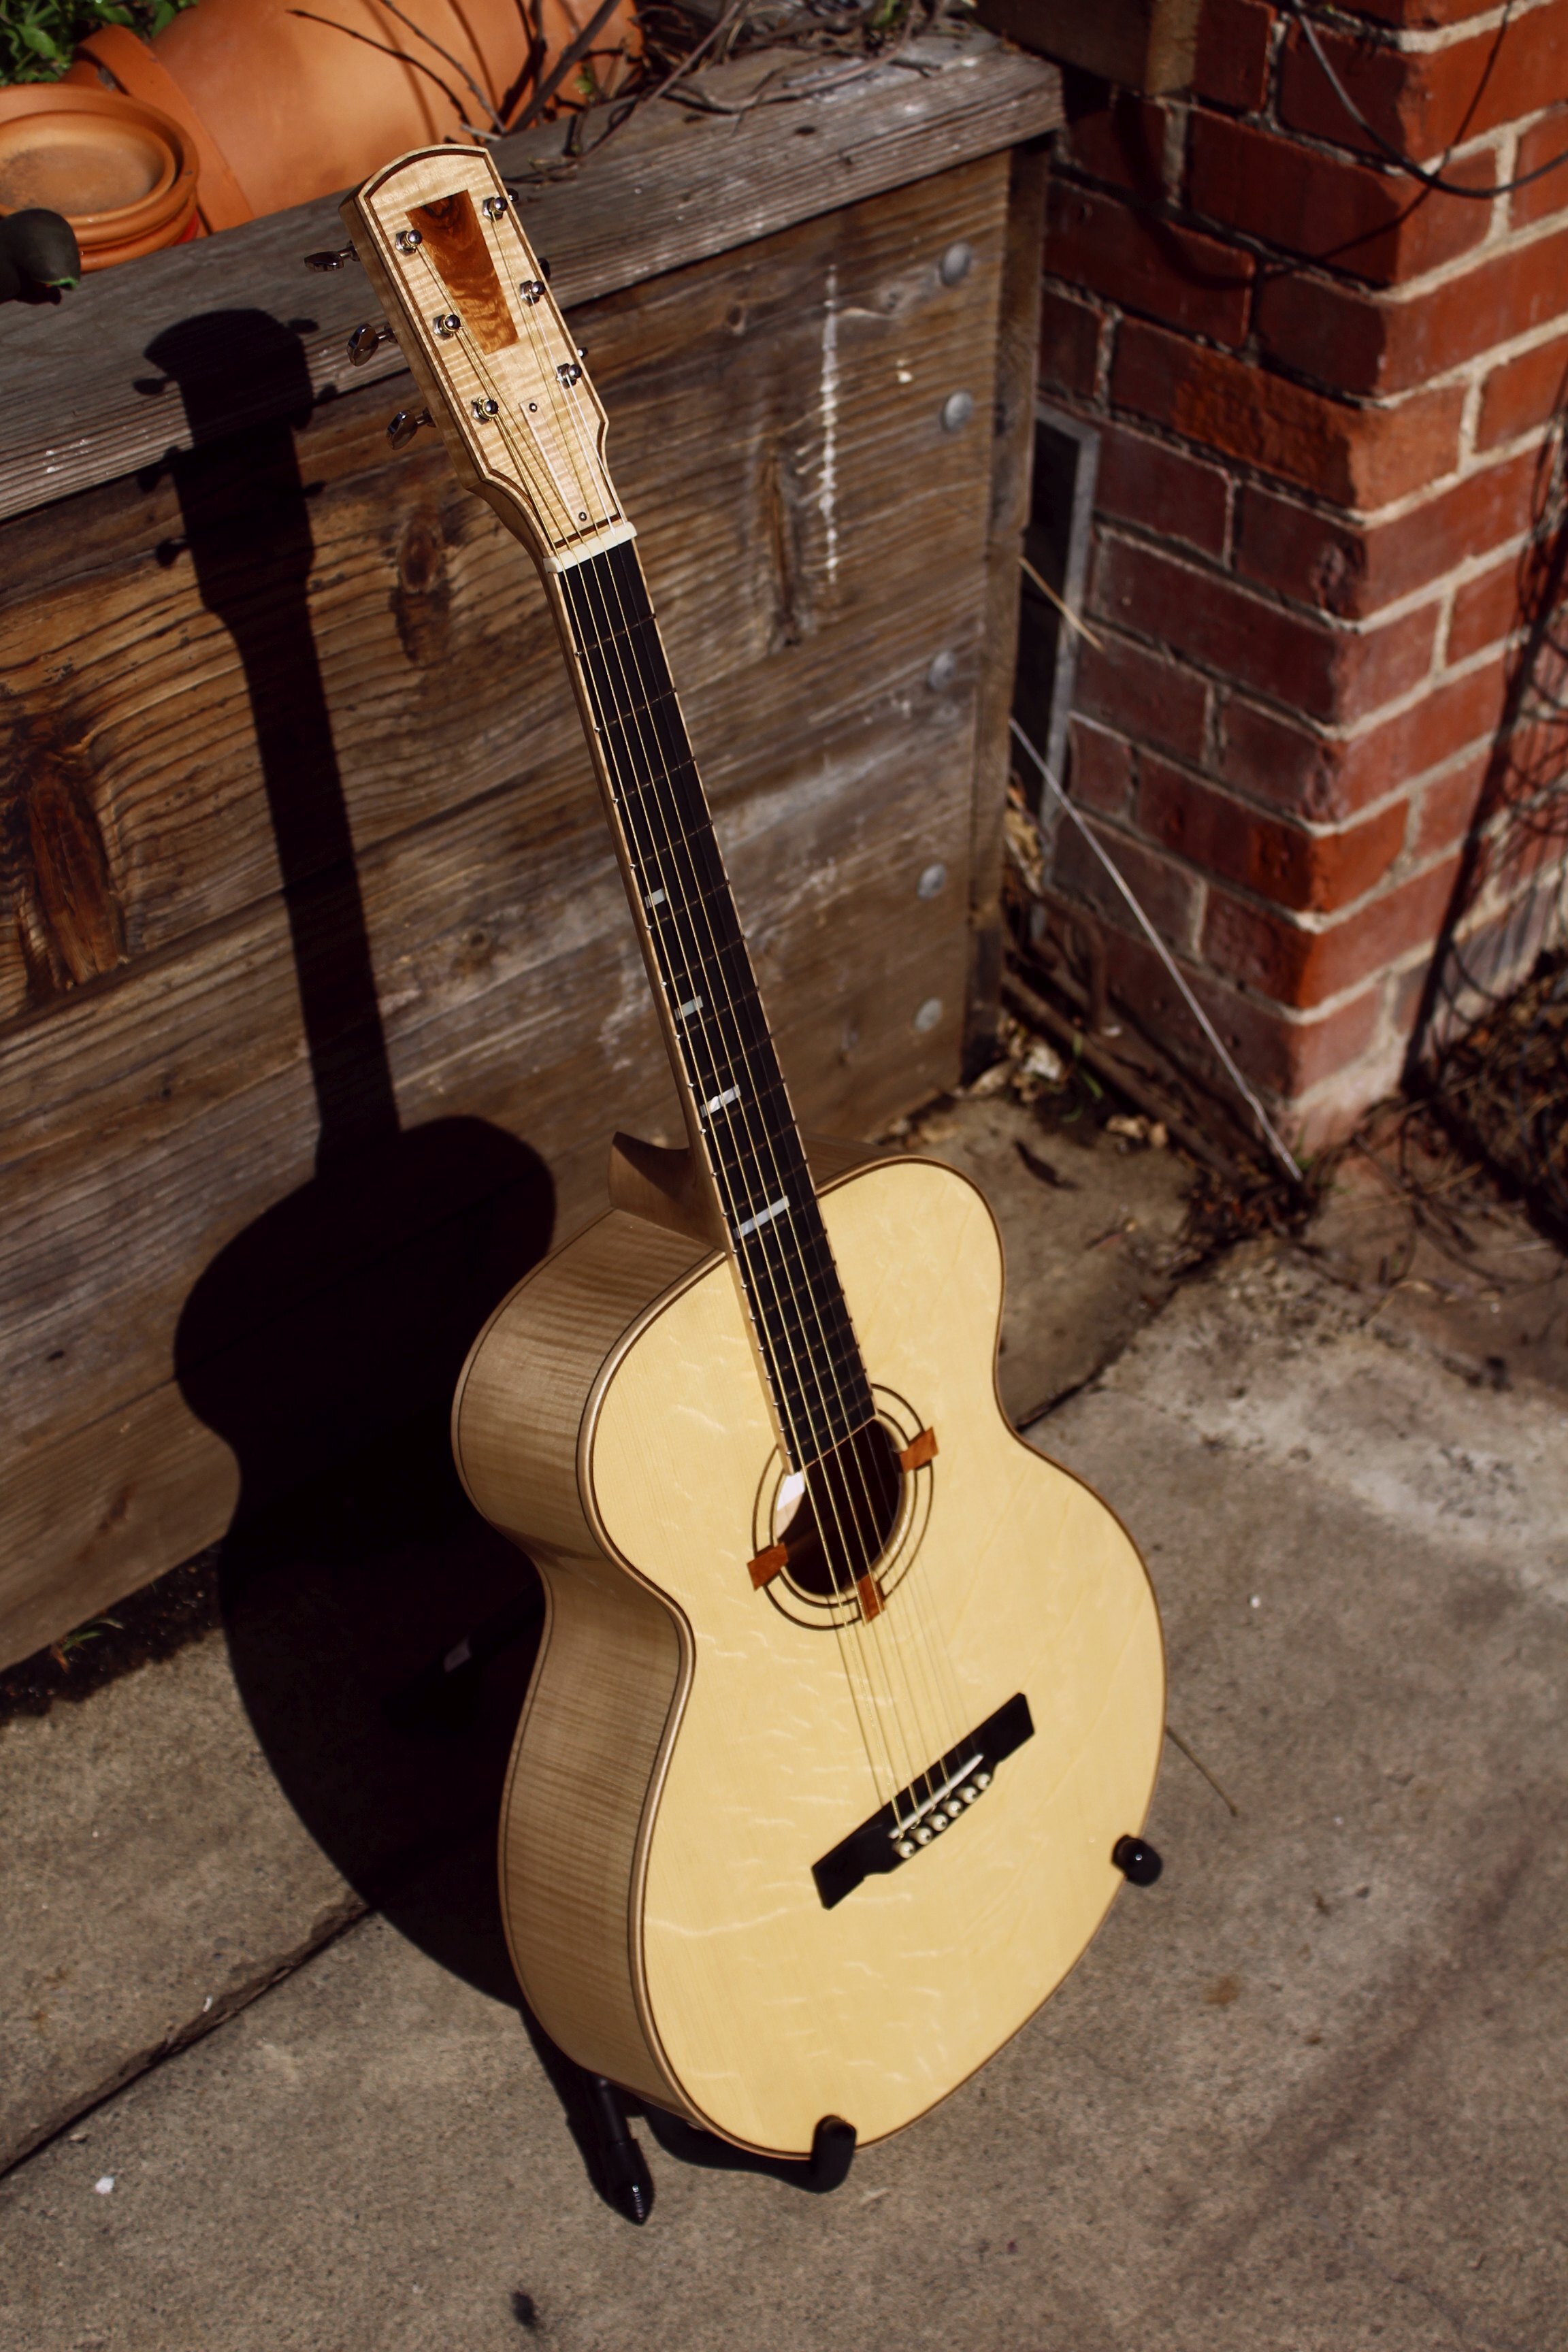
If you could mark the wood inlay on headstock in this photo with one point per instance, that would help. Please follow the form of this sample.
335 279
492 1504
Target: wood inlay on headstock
454 237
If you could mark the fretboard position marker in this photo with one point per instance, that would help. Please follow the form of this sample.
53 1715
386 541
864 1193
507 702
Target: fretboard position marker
762 1217
729 1094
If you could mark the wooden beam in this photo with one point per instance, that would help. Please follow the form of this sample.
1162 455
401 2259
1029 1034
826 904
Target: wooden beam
82 403
1144 44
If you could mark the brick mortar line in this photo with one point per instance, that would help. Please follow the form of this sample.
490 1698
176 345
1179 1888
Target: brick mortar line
1440 584
1241 472
1325 730
1118 529
1416 787
1300 919
1412 789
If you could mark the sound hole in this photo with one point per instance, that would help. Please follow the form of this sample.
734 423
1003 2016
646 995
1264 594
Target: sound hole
847 1515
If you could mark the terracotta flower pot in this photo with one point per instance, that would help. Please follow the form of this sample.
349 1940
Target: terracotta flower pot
287 105
122 173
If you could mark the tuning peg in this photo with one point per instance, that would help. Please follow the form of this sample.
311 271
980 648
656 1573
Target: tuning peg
365 341
330 260
402 428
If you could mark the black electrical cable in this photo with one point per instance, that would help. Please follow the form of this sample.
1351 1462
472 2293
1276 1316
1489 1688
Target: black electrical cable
1395 156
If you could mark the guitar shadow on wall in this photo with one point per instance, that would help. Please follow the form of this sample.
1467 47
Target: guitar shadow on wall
324 1342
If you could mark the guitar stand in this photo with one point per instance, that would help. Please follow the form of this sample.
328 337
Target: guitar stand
832 2154
628 2184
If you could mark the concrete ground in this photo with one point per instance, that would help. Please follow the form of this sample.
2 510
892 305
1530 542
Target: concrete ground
1303 2094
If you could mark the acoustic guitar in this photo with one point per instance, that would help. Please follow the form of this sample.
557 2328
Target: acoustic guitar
849 1705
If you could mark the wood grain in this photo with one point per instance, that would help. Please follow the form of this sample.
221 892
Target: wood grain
83 404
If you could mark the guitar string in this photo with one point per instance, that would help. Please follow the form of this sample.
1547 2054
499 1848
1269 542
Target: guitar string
489 387
912 1704
926 1649
724 1065
756 1258
634 817
929 1655
542 362
763 1278
869 1548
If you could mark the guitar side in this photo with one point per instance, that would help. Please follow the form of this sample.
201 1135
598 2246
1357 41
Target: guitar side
690 1748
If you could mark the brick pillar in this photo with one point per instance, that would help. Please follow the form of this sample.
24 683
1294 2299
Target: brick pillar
1321 392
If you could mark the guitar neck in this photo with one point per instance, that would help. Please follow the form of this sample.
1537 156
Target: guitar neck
720 1048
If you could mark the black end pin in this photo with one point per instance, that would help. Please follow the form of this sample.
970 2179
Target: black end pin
1138 1862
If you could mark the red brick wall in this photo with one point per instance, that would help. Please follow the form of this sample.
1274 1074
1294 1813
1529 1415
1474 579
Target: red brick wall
1322 392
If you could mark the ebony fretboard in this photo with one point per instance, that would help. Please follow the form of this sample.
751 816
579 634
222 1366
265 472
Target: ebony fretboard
726 1052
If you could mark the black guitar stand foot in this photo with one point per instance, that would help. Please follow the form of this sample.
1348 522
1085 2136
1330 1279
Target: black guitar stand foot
628 2183
832 2154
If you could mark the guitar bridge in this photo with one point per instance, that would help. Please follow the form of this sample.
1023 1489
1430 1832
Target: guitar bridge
927 1808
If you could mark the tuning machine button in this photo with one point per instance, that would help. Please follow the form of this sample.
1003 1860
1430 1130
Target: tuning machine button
365 341
402 428
329 259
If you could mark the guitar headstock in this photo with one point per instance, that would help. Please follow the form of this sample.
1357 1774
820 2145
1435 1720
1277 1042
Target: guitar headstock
441 244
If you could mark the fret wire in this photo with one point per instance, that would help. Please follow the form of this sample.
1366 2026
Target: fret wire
825 1325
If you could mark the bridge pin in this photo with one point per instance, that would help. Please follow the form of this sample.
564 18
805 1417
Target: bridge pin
922 1835
983 1779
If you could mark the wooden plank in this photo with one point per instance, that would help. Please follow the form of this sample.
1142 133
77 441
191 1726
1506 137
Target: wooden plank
88 392
463 1000
1143 45
1017 370
167 1114
396 625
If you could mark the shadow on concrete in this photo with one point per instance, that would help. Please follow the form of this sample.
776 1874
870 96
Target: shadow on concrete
324 1342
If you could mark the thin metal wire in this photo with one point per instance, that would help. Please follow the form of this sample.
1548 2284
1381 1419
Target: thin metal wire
1434 180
